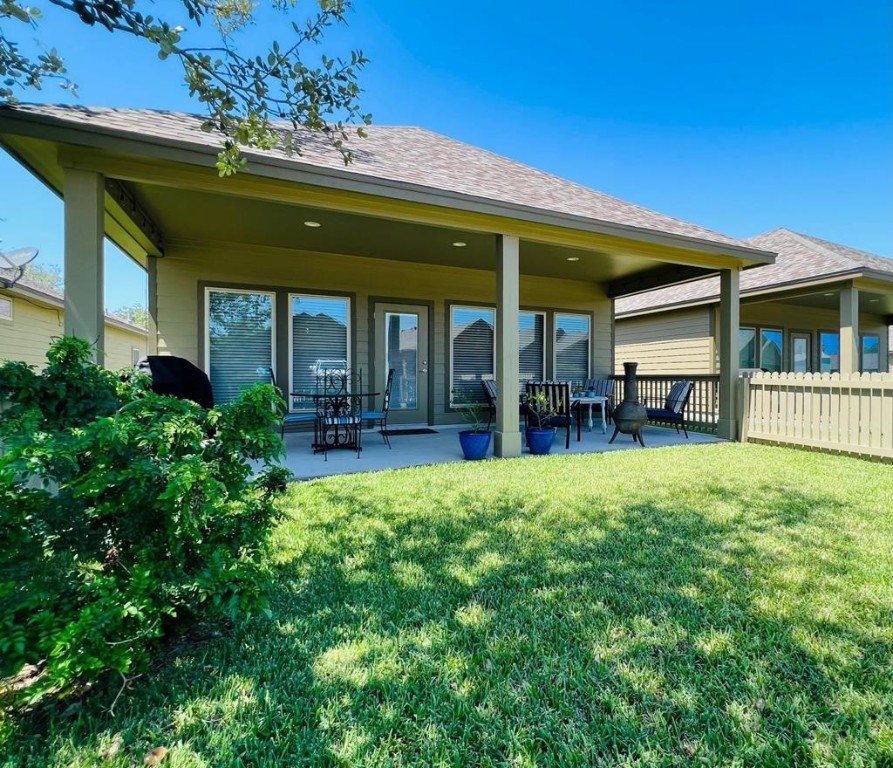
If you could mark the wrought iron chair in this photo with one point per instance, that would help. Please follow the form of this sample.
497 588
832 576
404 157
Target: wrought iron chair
340 416
382 416
673 411
290 418
489 387
558 395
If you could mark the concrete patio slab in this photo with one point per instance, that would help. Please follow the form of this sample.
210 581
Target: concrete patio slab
443 447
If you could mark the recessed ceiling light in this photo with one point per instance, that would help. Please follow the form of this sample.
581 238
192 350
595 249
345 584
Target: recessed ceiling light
312 224
873 301
573 258
459 244
829 294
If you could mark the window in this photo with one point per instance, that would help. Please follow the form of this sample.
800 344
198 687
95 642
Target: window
472 355
320 340
239 341
5 308
532 329
571 347
136 355
829 352
870 354
747 348
771 349
801 352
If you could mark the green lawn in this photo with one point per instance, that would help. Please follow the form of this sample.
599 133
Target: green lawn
704 605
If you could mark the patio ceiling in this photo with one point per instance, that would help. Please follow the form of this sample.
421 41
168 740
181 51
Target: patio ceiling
189 216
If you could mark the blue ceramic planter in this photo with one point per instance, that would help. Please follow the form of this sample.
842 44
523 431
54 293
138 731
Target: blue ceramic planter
539 441
474 444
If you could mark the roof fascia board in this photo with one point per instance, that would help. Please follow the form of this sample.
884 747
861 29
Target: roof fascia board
343 180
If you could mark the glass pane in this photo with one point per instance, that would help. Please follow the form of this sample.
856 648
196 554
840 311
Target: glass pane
472 352
770 350
747 348
402 353
532 346
319 342
829 352
871 353
571 348
240 341
800 354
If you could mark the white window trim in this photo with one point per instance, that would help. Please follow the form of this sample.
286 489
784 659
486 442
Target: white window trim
760 331
474 307
862 337
562 313
211 289
544 315
291 344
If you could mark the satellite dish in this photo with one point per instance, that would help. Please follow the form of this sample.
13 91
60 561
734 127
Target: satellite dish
16 261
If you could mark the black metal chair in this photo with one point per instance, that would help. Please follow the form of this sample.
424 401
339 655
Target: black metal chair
560 413
489 387
290 418
673 411
340 422
382 416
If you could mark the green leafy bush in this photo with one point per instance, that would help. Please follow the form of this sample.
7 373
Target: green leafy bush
124 515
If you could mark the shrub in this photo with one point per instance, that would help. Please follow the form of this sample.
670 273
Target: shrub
124 515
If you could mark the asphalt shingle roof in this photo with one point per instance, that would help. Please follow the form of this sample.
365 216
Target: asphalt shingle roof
400 154
801 258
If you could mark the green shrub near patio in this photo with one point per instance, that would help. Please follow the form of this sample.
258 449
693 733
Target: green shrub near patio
703 605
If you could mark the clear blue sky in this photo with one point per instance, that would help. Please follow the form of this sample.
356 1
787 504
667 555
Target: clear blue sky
740 116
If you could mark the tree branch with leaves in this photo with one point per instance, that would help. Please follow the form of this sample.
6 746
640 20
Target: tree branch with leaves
256 100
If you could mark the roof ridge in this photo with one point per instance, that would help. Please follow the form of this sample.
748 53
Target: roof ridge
818 243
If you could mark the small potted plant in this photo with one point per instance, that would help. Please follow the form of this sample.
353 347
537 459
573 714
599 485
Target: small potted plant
475 441
541 410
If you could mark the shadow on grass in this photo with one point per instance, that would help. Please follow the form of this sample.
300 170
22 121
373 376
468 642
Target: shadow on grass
511 630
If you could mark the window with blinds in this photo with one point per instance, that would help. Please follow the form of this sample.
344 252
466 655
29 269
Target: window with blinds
320 340
471 351
571 347
240 340
532 358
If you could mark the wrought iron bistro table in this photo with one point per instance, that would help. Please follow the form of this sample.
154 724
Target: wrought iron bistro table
338 422
590 401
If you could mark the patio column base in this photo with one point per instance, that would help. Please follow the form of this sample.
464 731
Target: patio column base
727 429
506 445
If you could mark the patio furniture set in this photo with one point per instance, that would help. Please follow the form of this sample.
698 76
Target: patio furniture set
338 413
563 403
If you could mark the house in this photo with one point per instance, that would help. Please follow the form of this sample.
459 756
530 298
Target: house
820 307
476 252
32 316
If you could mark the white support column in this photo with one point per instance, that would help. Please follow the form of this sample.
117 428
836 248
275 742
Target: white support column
508 285
849 330
729 322
84 214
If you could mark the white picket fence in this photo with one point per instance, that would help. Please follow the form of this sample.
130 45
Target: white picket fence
842 413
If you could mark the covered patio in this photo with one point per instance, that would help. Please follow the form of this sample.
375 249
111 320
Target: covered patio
442 261
442 447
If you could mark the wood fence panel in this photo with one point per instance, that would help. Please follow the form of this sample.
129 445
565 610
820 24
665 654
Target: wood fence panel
851 413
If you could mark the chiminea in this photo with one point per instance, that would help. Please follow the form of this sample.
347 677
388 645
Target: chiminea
629 417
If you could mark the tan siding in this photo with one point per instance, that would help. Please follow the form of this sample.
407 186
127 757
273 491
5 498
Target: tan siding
34 325
119 346
666 343
179 274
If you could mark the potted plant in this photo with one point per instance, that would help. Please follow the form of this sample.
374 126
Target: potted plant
540 437
475 441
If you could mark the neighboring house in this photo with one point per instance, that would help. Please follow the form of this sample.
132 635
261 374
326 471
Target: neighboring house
31 317
795 315
301 257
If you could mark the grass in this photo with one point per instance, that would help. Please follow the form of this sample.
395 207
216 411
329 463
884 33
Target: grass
705 605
